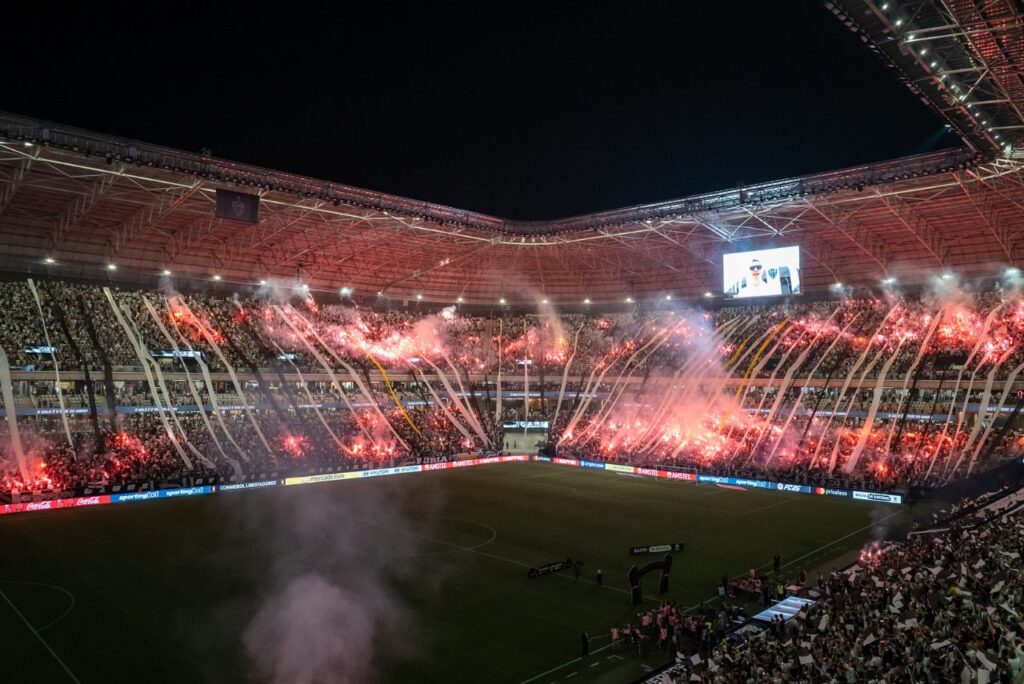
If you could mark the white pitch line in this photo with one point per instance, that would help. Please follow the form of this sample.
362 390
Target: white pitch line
563 665
64 591
40 637
472 549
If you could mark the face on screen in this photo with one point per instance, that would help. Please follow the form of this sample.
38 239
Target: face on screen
762 273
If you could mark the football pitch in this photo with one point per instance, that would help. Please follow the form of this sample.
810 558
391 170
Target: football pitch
426 575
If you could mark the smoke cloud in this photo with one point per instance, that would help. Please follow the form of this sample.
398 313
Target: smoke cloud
334 559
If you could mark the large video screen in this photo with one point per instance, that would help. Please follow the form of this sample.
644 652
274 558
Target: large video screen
762 272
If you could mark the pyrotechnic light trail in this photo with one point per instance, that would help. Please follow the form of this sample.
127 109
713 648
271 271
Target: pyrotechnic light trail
208 386
204 330
846 385
335 383
7 392
162 384
613 398
565 374
799 397
844 413
374 405
191 386
55 358
982 340
956 390
1007 387
309 395
141 353
462 400
986 397
904 395
753 368
869 422
458 404
785 385
464 397
391 391
766 421
587 399
501 345
447 412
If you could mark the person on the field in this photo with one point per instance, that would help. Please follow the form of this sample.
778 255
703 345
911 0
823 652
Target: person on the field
600 578
585 644
775 563
577 569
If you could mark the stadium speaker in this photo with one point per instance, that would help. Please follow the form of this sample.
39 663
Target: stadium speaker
785 280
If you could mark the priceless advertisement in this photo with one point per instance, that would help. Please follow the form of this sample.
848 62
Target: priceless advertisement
825 491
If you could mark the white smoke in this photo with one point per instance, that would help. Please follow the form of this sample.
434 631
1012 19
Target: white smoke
336 556
315 632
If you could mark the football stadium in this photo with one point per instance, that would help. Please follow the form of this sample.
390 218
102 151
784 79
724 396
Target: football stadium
315 433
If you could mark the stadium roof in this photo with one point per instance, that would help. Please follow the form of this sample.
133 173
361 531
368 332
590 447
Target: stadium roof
86 201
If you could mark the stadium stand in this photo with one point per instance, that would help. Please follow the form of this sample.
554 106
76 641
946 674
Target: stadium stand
941 606
869 393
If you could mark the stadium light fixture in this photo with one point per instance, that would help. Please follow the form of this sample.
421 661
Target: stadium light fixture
1012 272
708 295
502 301
933 64
345 292
888 281
947 276
49 260
458 300
165 272
111 267
837 285
587 300
899 22
885 6
629 300
262 283
419 296
216 276
28 144
668 298
544 301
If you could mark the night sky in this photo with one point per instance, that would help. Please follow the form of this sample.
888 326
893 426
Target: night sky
523 110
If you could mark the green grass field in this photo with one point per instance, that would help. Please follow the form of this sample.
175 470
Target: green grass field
163 590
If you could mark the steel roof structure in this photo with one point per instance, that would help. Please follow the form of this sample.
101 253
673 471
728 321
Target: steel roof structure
75 203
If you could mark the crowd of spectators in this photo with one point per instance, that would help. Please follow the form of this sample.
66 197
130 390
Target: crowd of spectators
827 357
942 606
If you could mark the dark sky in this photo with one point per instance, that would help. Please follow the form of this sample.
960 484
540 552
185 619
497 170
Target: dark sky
521 110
